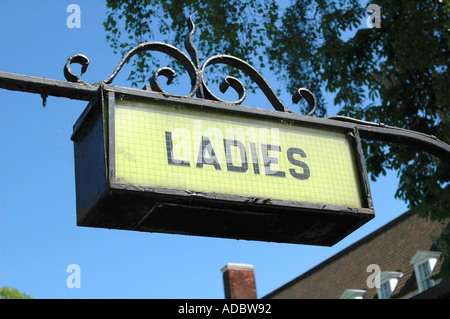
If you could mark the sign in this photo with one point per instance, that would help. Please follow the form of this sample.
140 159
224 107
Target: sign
187 166
210 152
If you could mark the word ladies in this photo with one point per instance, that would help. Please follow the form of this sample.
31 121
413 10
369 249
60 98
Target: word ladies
271 155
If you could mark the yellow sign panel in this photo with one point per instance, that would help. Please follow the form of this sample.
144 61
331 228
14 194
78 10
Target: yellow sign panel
204 151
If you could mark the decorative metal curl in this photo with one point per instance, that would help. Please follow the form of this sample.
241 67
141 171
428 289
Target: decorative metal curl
199 88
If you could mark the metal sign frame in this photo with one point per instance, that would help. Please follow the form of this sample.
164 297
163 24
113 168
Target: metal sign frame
102 201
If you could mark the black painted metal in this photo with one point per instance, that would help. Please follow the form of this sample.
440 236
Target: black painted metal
196 73
368 130
110 203
47 87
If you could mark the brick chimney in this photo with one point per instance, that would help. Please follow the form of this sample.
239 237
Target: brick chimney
239 281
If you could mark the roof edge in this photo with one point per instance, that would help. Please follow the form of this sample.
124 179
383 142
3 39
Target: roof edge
359 242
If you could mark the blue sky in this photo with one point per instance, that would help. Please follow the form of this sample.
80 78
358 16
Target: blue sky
38 233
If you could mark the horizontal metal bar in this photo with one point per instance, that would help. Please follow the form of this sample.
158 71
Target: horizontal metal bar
367 130
371 131
47 87
416 140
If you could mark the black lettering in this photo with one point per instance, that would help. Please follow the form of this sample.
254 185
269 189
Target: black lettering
170 159
269 160
232 168
292 160
212 160
254 156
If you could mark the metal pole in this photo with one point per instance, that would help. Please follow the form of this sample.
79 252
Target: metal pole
46 87
367 130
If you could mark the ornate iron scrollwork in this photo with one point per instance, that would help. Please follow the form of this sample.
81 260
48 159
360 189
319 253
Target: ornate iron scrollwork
199 88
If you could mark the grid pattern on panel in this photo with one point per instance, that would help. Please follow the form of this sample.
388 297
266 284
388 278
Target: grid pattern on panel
188 149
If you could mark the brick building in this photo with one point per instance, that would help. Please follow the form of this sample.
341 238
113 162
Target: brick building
398 260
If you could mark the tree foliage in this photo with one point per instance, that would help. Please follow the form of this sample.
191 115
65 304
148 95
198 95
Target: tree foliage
235 27
398 74
12 293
